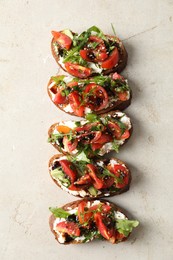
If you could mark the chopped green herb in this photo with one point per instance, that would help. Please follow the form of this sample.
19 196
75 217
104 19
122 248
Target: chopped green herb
59 212
113 29
115 146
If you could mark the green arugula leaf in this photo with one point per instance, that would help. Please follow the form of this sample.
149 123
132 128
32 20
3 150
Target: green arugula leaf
91 117
59 212
55 137
113 29
82 157
125 226
58 79
115 146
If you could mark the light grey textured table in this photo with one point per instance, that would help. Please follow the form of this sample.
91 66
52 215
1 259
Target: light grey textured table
26 113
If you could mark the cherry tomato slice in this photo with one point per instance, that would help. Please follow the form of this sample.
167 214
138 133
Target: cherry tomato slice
69 145
74 100
108 182
62 39
84 180
122 173
98 183
70 228
74 187
59 99
115 129
117 76
87 127
94 38
72 84
96 96
125 135
96 146
105 138
85 54
112 60
84 214
89 137
68 169
100 50
105 231
122 96
77 70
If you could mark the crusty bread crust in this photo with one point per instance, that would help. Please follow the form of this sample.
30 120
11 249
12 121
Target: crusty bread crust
51 129
118 105
121 64
73 205
126 188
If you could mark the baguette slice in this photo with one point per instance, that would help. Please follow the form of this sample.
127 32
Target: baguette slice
89 65
107 133
82 221
108 178
99 94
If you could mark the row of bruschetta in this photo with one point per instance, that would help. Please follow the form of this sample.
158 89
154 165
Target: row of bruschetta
92 89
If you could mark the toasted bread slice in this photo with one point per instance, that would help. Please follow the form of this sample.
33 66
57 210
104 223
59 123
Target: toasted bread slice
82 221
99 94
113 55
107 133
108 178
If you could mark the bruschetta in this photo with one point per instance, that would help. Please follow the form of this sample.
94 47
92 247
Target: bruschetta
89 53
99 94
96 135
84 220
84 177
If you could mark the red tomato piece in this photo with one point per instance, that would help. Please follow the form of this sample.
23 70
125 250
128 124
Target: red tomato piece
72 84
74 100
117 76
96 146
122 173
105 138
90 137
62 39
77 70
84 180
94 38
125 135
108 182
59 98
115 129
70 228
74 187
68 169
98 183
85 55
122 96
84 215
105 231
69 145
112 60
102 56
96 96
86 127
106 208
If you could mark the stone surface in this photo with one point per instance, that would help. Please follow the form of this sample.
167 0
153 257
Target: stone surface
26 64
